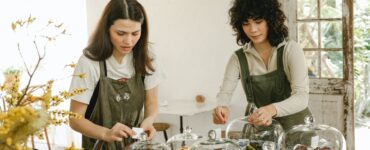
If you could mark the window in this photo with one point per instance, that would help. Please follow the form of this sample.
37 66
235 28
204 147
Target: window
319 32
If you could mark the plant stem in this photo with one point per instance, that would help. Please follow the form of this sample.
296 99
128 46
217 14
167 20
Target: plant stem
29 81
33 142
47 138
24 62
4 105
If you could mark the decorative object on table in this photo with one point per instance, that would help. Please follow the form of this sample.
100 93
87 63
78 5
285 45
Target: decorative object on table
250 136
162 126
28 111
214 143
144 144
313 136
184 140
200 100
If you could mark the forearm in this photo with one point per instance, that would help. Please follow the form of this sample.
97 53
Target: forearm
151 112
295 103
229 83
151 105
88 128
296 70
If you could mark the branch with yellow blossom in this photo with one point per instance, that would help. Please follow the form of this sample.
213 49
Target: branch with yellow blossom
30 110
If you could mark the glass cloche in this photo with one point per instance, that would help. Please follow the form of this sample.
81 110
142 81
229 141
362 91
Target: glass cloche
144 144
311 136
253 137
213 143
183 141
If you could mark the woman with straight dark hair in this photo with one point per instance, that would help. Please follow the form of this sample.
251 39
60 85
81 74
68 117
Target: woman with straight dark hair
122 78
271 67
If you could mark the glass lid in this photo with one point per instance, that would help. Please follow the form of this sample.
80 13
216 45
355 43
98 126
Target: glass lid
183 141
313 136
250 136
213 143
186 136
144 144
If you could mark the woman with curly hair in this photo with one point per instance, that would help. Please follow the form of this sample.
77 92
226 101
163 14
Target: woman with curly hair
271 67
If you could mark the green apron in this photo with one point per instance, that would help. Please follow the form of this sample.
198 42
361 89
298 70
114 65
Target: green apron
117 101
269 88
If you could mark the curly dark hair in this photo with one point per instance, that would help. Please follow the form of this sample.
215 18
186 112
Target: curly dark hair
269 10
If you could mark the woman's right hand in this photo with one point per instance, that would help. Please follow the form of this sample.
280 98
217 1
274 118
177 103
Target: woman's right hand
220 115
117 133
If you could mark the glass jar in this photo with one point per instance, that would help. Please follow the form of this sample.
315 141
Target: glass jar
144 144
183 141
212 143
311 136
250 136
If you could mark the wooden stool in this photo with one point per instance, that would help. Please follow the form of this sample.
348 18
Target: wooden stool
161 126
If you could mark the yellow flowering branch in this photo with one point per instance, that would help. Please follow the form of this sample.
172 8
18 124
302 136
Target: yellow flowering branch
20 119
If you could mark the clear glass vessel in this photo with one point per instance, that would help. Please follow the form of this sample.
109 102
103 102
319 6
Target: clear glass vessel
253 137
311 136
183 141
144 144
213 143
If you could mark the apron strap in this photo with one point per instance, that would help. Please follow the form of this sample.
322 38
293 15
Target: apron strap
245 75
280 66
103 68
94 97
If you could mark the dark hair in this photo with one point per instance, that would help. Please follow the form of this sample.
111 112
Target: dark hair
269 10
100 47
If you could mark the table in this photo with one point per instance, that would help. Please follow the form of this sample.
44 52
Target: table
185 107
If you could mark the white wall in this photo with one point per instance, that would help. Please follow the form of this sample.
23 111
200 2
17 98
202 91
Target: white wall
193 41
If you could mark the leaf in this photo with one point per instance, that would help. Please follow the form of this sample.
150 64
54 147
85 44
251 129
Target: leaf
14 26
30 19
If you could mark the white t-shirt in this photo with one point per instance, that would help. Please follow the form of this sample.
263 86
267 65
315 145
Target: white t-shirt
295 69
114 70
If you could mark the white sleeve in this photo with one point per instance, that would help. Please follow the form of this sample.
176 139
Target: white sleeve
91 69
157 76
296 69
229 83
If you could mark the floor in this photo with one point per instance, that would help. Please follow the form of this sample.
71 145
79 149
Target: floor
362 136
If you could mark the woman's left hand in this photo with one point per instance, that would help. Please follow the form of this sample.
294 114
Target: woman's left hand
148 127
263 115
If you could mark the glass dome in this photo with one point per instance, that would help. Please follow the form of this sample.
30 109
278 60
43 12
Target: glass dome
183 141
253 137
213 143
144 144
311 136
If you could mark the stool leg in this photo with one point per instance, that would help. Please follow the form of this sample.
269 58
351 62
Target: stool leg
165 135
